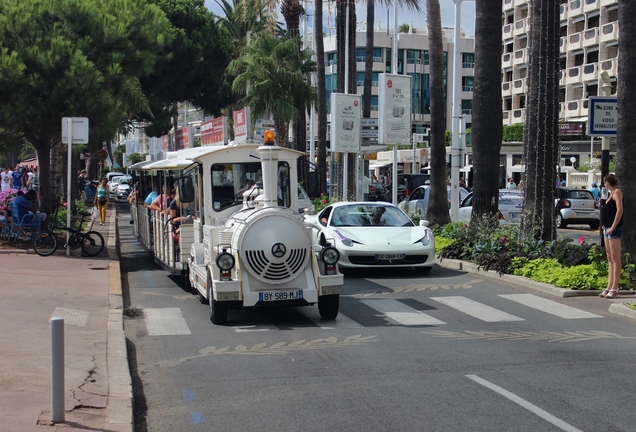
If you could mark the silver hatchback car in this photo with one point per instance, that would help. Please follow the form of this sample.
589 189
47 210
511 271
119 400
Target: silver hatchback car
576 206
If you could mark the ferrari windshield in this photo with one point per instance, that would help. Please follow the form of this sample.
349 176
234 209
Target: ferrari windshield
367 215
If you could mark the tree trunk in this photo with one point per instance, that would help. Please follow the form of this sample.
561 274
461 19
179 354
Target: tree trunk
487 127
281 133
541 136
43 151
341 52
437 209
321 106
626 145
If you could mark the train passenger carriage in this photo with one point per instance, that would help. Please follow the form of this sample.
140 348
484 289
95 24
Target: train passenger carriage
241 240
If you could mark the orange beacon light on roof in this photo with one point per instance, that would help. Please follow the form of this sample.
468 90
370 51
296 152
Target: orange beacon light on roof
268 137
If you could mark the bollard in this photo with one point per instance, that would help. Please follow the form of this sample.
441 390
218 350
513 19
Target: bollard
57 369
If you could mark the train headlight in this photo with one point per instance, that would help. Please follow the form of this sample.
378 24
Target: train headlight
330 256
225 261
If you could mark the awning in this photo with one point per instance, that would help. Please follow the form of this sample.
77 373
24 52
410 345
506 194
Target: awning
140 165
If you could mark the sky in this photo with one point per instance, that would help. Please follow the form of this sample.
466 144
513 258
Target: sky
404 16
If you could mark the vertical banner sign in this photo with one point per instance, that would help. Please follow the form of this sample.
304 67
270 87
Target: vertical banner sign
395 109
214 132
183 138
165 142
346 113
241 123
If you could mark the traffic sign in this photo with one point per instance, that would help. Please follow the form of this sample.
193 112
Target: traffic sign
602 116
103 154
78 130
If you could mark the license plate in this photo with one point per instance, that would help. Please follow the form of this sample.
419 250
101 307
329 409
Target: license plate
389 256
280 295
582 214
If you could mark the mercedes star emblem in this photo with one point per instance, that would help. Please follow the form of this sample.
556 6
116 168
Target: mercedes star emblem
279 250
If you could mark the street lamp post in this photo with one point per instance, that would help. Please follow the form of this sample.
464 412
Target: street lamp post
456 147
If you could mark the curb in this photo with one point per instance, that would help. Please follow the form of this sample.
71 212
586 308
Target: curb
453 264
119 414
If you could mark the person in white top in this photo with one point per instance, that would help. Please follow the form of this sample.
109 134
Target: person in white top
5 179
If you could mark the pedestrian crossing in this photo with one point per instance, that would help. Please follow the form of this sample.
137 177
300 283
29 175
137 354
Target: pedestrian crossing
170 321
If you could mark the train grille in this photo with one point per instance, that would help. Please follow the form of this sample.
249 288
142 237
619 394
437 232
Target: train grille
259 263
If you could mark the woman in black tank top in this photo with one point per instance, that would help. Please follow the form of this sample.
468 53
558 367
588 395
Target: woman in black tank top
612 218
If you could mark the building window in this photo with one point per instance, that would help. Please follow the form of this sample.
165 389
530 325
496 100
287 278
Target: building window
414 56
361 54
467 106
468 60
468 83
592 57
426 59
332 59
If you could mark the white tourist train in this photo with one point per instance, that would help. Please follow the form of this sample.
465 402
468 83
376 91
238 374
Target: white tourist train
233 230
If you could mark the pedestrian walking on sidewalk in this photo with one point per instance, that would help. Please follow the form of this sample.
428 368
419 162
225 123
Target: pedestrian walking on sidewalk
612 219
101 200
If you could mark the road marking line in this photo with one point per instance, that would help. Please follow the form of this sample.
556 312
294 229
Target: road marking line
476 309
401 313
525 404
341 322
165 322
549 306
254 328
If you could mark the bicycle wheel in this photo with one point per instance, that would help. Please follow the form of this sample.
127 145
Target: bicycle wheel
92 243
45 244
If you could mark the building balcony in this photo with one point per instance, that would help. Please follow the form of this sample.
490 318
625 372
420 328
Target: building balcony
561 110
521 26
573 75
589 72
520 57
572 109
508 5
610 66
506 60
590 37
506 89
519 86
609 32
518 116
507 31
576 6
575 41
590 5
563 10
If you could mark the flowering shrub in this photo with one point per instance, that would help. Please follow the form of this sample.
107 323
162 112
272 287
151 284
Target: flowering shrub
5 197
321 202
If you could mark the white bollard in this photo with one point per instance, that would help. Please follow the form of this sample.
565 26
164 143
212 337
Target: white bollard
57 369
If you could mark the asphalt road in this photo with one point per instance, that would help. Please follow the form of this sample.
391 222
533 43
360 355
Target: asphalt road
448 351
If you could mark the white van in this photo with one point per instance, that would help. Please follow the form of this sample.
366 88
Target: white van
110 175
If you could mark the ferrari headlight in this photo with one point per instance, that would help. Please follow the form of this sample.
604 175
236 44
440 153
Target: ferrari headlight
344 240
426 240
225 261
330 255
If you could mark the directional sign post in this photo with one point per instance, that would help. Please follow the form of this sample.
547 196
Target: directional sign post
602 116
74 131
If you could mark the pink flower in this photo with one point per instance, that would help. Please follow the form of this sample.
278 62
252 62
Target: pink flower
503 240
582 240
323 201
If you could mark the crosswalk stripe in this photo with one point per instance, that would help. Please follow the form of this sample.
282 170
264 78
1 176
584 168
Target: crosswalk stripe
341 322
165 322
401 313
476 309
549 306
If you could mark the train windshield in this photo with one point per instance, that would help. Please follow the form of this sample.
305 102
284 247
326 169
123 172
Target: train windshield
231 180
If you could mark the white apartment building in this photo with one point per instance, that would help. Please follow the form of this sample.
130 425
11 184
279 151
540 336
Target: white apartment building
589 46
413 60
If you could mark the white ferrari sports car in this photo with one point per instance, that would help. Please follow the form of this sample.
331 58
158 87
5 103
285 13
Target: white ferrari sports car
374 234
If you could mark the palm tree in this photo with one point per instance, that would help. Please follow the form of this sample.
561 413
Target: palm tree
277 75
541 134
437 210
626 147
405 28
487 127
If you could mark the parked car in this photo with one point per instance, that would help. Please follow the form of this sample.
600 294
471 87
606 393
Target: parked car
576 206
407 183
305 205
510 207
374 235
417 202
114 182
123 188
376 191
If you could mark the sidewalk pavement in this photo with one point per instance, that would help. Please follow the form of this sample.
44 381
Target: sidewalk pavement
86 292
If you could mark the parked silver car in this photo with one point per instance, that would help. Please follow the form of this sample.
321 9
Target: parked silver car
417 202
510 207
576 206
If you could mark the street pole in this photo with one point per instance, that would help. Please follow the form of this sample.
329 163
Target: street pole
606 90
69 200
456 116
345 155
394 71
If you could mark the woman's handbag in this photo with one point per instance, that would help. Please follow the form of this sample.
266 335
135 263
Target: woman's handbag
103 201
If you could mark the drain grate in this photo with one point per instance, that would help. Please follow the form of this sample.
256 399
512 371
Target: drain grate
72 316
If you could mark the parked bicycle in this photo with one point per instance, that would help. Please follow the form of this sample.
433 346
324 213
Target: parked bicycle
46 242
